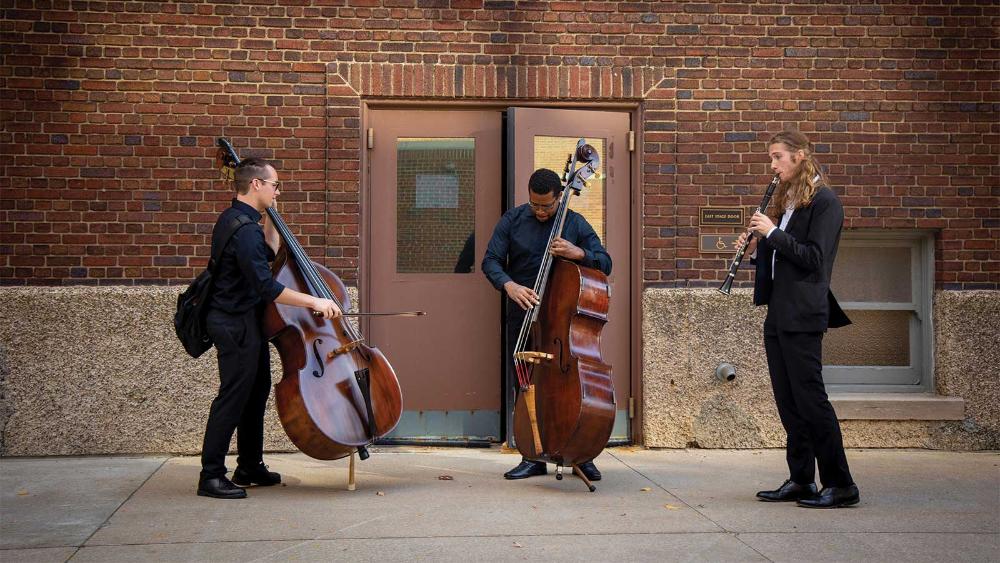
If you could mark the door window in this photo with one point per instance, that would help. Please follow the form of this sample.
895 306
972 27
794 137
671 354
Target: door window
435 205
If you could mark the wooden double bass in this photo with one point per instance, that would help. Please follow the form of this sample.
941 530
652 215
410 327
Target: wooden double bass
337 395
565 409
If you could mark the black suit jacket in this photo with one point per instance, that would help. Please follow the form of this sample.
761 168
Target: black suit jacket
799 297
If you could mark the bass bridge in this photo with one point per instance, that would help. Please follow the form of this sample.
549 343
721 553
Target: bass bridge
533 357
343 349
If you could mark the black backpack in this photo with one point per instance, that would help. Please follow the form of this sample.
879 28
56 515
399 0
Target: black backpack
189 320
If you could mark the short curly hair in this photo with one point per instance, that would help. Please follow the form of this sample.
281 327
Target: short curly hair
544 181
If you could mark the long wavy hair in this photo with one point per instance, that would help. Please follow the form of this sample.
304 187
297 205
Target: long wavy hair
801 189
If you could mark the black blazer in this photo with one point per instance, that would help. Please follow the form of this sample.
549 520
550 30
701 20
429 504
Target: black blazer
799 297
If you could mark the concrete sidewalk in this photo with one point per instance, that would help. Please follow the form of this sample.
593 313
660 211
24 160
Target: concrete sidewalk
671 505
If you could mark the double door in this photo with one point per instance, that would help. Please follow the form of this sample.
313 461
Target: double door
439 180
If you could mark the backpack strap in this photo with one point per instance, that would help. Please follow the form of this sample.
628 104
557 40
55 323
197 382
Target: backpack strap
234 225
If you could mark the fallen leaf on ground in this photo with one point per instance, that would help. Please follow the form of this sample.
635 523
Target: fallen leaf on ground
671 507
646 489
22 493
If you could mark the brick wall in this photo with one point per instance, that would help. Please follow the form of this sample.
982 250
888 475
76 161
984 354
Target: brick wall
110 111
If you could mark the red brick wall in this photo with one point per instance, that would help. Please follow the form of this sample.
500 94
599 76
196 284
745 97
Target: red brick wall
110 111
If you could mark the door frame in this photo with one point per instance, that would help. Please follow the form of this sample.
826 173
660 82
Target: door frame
635 110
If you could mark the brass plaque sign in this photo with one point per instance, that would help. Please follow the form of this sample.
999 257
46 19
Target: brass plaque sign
724 244
720 216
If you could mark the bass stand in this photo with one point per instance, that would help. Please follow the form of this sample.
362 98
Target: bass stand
578 473
350 474
361 453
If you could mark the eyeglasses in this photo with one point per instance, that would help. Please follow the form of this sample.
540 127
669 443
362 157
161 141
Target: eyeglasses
542 207
275 182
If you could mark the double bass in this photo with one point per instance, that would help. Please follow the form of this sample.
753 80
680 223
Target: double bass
337 394
565 409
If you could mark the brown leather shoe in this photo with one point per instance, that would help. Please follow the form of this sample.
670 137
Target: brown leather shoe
787 492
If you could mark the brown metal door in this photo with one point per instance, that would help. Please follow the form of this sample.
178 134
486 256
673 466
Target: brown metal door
543 138
435 196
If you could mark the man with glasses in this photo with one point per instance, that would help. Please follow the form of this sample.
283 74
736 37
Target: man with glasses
512 260
242 286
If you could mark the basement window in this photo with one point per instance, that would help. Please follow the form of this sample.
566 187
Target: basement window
883 281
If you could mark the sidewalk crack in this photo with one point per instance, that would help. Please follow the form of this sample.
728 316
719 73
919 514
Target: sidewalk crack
117 508
732 533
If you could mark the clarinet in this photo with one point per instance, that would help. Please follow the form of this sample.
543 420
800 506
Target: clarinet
727 285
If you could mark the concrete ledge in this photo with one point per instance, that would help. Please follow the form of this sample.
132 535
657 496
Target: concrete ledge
687 332
897 406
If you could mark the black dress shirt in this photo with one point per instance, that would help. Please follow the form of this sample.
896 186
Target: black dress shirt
242 278
519 241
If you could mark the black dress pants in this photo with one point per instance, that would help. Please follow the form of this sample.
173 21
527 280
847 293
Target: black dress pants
795 362
244 385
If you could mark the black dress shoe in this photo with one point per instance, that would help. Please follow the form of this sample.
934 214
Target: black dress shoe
255 476
526 469
590 470
788 491
833 497
220 487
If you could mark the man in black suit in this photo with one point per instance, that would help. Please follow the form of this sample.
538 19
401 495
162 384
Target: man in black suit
794 261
